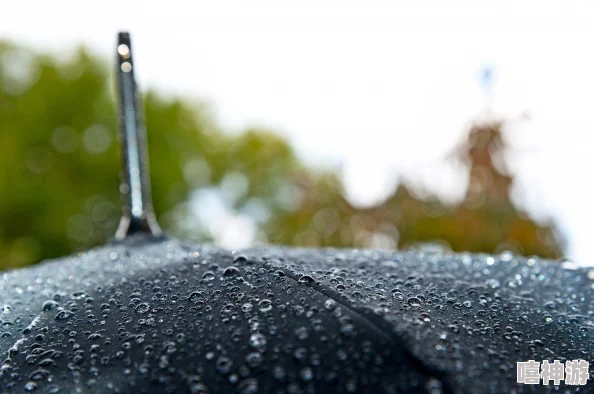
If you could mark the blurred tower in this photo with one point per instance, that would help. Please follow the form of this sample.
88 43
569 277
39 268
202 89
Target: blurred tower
487 183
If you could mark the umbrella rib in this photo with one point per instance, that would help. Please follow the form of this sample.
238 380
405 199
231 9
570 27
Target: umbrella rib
137 212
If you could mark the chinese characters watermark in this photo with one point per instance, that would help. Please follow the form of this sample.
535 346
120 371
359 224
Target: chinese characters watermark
574 372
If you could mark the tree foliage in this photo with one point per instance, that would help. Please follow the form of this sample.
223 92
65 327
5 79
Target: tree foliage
59 167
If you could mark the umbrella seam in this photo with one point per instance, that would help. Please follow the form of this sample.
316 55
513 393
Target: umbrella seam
393 339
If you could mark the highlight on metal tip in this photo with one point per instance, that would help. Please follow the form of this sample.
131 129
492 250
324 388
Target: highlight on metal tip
137 211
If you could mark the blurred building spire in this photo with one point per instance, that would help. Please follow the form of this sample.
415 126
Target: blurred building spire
487 82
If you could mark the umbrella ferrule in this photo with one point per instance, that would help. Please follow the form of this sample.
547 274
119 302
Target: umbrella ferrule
137 212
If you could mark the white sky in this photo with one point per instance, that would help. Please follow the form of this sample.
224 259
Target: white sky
382 87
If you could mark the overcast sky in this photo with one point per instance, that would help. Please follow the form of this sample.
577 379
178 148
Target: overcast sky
384 88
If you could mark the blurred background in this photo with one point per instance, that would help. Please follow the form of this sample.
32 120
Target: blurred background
459 125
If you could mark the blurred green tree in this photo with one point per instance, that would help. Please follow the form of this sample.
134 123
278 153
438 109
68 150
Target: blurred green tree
59 166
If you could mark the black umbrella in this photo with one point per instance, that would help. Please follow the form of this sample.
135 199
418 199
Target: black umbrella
151 314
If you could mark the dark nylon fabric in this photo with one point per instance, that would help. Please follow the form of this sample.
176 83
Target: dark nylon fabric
163 316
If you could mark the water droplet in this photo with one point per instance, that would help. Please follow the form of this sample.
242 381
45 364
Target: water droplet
64 314
195 296
414 302
49 305
265 305
550 305
248 386
208 276
142 308
302 333
257 341
39 374
254 359
78 295
198 388
240 259
306 279
306 374
126 67
231 272
424 317
434 386
46 362
224 364
330 304
278 372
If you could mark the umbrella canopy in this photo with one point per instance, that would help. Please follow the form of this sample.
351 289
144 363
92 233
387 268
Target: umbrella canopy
158 315
151 314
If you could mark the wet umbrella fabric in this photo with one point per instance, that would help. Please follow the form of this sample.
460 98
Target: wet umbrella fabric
163 316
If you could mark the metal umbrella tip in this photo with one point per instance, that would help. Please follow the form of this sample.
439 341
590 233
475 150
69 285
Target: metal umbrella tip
137 212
